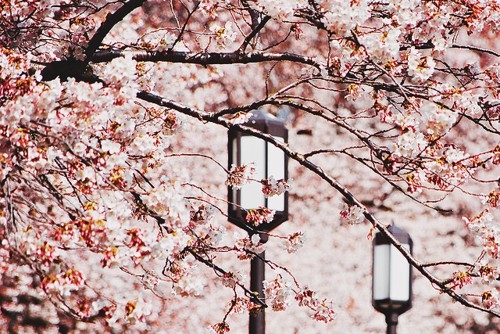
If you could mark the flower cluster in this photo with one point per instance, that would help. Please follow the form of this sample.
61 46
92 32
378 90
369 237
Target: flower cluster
272 187
259 215
419 67
485 232
230 279
414 182
410 144
436 120
169 203
446 175
64 283
187 284
223 35
157 41
280 9
241 304
460 279
383 47
492 199
488 273
352 214
220 328
343 16
490 298
322 309
133 310
278 293
293 242
240 175
246 247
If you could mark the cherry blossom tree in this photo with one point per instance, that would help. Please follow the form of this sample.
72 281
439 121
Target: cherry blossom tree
110 210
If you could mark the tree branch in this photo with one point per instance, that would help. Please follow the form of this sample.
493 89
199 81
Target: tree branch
205 58
74 68
254 32
111 20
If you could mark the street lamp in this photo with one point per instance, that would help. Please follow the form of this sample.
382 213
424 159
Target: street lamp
392 293
268 160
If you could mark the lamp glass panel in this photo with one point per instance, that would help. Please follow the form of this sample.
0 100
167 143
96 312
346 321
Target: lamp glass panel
276 169
234 161
253 150
400 275
381 262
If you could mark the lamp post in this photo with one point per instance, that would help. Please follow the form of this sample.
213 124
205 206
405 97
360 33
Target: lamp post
268 161
392 292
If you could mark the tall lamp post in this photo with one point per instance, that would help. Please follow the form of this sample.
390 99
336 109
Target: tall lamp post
268 161
392 292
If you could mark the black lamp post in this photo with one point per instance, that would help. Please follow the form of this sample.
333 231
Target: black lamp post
268 161
392 293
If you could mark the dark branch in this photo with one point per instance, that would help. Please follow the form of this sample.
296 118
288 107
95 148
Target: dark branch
78 69
184 26
254 32
108 24
205 58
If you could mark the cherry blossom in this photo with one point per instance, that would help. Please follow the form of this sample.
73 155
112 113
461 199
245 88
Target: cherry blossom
294 242
322 309
490 298
259 215
278 292
113 120
240 175
273 187
223 35
352 214
419 67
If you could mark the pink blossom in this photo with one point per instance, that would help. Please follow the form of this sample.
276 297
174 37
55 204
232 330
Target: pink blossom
225 34
272 187
293 242
419 67
278 293
352 214
240 175
490 299
259 215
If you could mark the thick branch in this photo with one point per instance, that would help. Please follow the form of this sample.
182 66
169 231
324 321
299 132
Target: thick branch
73 68
205 58
111 20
